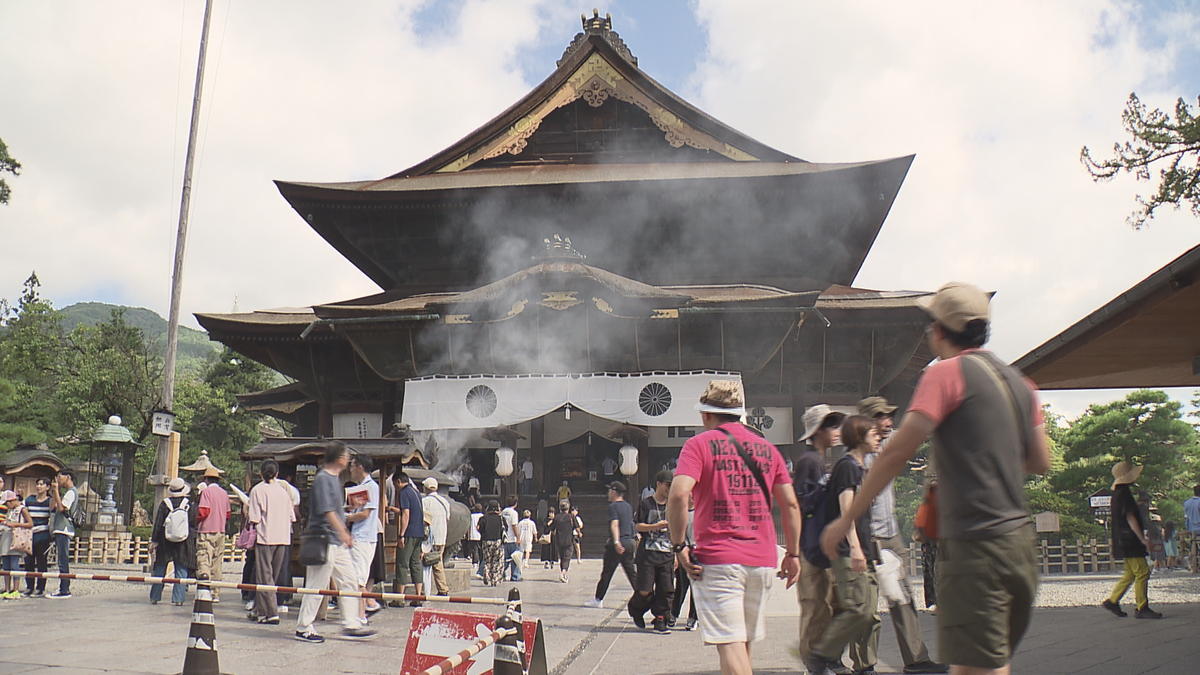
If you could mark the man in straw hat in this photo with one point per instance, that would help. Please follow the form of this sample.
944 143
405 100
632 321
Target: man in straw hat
733 476
987 427
212 511
1129 544
822 433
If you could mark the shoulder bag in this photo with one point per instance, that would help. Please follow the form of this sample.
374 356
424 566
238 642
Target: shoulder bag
22 537
750 464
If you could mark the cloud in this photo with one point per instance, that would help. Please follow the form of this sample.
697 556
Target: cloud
996 102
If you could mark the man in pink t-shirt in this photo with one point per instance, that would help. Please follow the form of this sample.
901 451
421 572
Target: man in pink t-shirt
212 513
735 552
987 433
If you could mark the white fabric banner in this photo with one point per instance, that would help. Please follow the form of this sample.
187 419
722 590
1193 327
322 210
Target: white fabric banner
479 401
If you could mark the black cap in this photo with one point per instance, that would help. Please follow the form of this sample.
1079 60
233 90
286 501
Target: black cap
618 486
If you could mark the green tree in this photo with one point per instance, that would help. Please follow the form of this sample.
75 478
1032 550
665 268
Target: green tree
8 164
1156 139
30 347
208 415
1145 428
104 370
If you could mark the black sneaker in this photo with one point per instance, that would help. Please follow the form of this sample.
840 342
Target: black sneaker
838 669
819 665
1146 613
671 621
660 626
691 624
309 637
362 633
638 620
927 667
1114 608
59 596
868 671
270 620
416 603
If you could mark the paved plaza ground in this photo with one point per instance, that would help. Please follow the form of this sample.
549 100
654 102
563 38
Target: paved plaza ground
112 628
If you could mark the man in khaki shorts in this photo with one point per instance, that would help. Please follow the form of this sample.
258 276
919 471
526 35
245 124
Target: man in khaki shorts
987 427
733 476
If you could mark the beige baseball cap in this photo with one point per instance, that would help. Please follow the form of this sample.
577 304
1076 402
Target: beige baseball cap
956 304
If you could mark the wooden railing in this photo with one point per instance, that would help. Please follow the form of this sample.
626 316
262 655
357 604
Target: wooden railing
126 551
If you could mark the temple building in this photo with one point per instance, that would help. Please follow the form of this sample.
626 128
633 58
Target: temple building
576 270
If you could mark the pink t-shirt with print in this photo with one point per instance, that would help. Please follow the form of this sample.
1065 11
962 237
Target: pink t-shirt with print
733 523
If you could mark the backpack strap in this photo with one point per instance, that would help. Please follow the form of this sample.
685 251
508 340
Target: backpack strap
750 464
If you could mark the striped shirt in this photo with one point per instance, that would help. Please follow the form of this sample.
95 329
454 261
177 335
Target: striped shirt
40 512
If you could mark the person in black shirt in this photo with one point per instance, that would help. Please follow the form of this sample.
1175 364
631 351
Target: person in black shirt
1129 543
562 537
655 587
822 434
491 535
856 592
619 549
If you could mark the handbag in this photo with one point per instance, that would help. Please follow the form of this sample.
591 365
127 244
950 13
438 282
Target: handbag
927 518
430 558
22 540
247 538
314 549
544 539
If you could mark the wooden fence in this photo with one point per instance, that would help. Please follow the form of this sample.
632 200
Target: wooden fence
126 551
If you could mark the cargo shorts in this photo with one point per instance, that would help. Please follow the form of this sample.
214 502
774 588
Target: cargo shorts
986 589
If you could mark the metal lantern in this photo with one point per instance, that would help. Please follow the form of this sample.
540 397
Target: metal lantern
629 456
504 461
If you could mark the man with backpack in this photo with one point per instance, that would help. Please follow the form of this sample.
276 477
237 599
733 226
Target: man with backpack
67 512
987 427
173 540
733 476
815 589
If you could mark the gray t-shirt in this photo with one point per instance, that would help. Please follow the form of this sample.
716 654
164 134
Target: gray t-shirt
326 495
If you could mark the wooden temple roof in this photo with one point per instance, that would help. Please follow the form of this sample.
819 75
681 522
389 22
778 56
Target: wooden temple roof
603 153
1148 336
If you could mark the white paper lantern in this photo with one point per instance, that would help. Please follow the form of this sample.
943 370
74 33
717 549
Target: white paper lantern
504 461
629 460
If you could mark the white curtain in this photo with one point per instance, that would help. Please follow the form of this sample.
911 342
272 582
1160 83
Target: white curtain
480 401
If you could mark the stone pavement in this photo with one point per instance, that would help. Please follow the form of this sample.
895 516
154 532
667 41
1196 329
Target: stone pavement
112 628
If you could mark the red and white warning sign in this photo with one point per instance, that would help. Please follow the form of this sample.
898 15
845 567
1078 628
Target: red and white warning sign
437 634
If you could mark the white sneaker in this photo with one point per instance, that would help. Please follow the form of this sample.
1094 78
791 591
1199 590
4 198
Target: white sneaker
593 603
250 606
283 609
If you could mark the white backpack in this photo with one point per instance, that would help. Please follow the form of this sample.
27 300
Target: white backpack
176 526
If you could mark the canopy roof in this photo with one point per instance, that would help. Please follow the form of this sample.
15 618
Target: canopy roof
634 174
1148 336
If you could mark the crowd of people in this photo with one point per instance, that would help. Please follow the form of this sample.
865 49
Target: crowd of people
703 532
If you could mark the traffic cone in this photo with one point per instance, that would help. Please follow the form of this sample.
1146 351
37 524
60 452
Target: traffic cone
201 655
509 656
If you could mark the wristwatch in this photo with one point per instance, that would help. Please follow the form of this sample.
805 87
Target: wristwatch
791 555
679 547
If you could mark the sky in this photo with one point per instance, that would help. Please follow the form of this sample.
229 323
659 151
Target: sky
995 100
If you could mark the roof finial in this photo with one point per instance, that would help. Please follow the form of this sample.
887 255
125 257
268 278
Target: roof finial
602 27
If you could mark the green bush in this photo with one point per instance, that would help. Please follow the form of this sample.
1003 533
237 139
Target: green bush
142 531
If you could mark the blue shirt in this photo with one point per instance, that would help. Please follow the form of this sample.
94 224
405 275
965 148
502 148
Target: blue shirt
1191 515
410 499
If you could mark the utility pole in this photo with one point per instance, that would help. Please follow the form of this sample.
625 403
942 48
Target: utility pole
168 391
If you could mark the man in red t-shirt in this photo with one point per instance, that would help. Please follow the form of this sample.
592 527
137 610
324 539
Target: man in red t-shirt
210 530
987 427
735 552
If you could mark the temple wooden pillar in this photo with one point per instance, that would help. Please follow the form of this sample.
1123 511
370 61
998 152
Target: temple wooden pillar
537 450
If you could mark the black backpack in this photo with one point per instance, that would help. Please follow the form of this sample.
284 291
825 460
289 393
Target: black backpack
814 513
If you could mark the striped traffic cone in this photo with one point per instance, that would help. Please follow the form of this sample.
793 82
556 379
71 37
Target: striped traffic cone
201 656
509 656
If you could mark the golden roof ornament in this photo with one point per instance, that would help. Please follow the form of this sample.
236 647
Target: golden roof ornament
560 248
602 27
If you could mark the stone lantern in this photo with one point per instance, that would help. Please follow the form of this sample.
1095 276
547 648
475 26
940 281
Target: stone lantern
113 440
